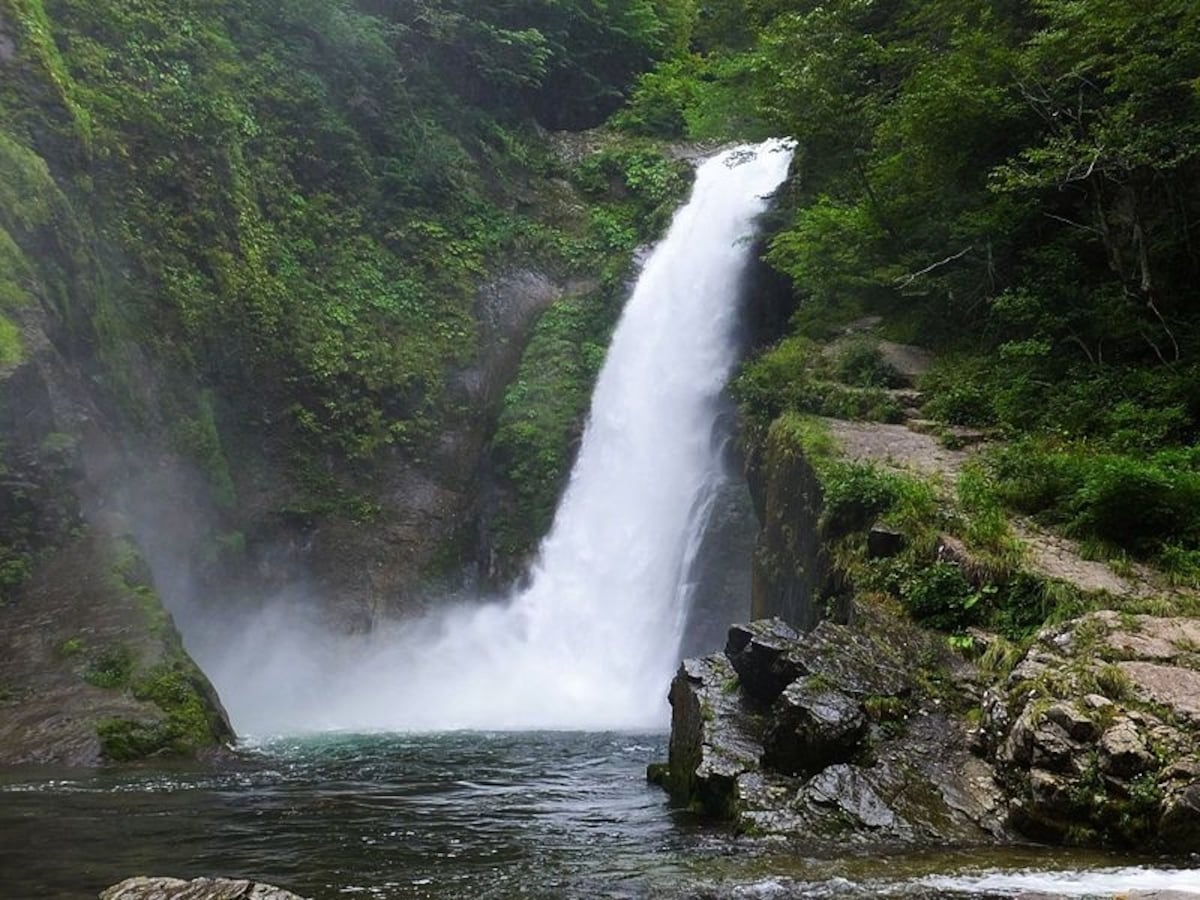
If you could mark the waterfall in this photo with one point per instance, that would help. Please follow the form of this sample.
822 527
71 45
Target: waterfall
593 640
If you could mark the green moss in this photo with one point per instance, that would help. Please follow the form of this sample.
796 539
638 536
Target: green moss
128 740
132 575
543 411
189 723
12 348
634 189
200 439
71 647
15 569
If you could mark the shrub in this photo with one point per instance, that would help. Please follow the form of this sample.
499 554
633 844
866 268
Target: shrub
860 364
1137 504
113 668
940 596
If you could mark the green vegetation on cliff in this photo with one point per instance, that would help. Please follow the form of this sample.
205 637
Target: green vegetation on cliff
260 229
634 190
1012 184
294 201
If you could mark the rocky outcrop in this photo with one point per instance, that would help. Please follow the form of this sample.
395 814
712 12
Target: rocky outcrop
1097 732
91 666
826 736
200 889
792 577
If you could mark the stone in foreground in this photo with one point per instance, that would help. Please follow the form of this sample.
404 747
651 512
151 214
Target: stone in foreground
143 888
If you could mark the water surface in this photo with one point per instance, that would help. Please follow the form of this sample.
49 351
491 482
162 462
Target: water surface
460 815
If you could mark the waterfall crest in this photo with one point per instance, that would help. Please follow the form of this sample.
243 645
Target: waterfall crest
592 642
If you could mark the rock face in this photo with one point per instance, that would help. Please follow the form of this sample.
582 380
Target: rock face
792 577
826 737
1096 732
91 666
199 889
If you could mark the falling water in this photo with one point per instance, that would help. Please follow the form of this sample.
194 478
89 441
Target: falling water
592 641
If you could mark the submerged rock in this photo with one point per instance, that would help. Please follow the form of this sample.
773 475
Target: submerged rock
143 888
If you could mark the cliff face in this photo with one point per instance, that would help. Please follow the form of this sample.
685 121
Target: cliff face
792 577
91 665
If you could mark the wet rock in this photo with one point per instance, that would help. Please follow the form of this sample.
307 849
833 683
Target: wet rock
1179 827
845 787
200 889
812 726
812 766
714 736
853 662
759 654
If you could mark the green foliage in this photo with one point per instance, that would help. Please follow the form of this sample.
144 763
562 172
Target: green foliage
635 189
796 376
200 439
71 647
12 349
15 569
941 596
297 201
188 722
1143 504
542 415
860 364
112 668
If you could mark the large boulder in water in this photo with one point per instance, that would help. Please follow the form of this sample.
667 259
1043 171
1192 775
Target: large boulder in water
201 889
715 736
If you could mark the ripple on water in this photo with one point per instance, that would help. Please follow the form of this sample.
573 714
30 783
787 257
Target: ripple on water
444 816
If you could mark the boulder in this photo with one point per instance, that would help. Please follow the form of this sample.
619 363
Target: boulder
143 888
884 542
812 726
714 737
1123 751
846 752
1179 827
759 653
846 787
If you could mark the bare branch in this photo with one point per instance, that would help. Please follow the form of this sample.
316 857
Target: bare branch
905 280
1074 224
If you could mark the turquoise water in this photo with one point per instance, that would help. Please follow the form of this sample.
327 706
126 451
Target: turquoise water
464 815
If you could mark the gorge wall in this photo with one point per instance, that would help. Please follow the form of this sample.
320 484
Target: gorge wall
262 300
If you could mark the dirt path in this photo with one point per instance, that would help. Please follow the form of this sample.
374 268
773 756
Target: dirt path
916 446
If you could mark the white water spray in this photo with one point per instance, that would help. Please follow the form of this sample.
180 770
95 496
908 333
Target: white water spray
592 642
